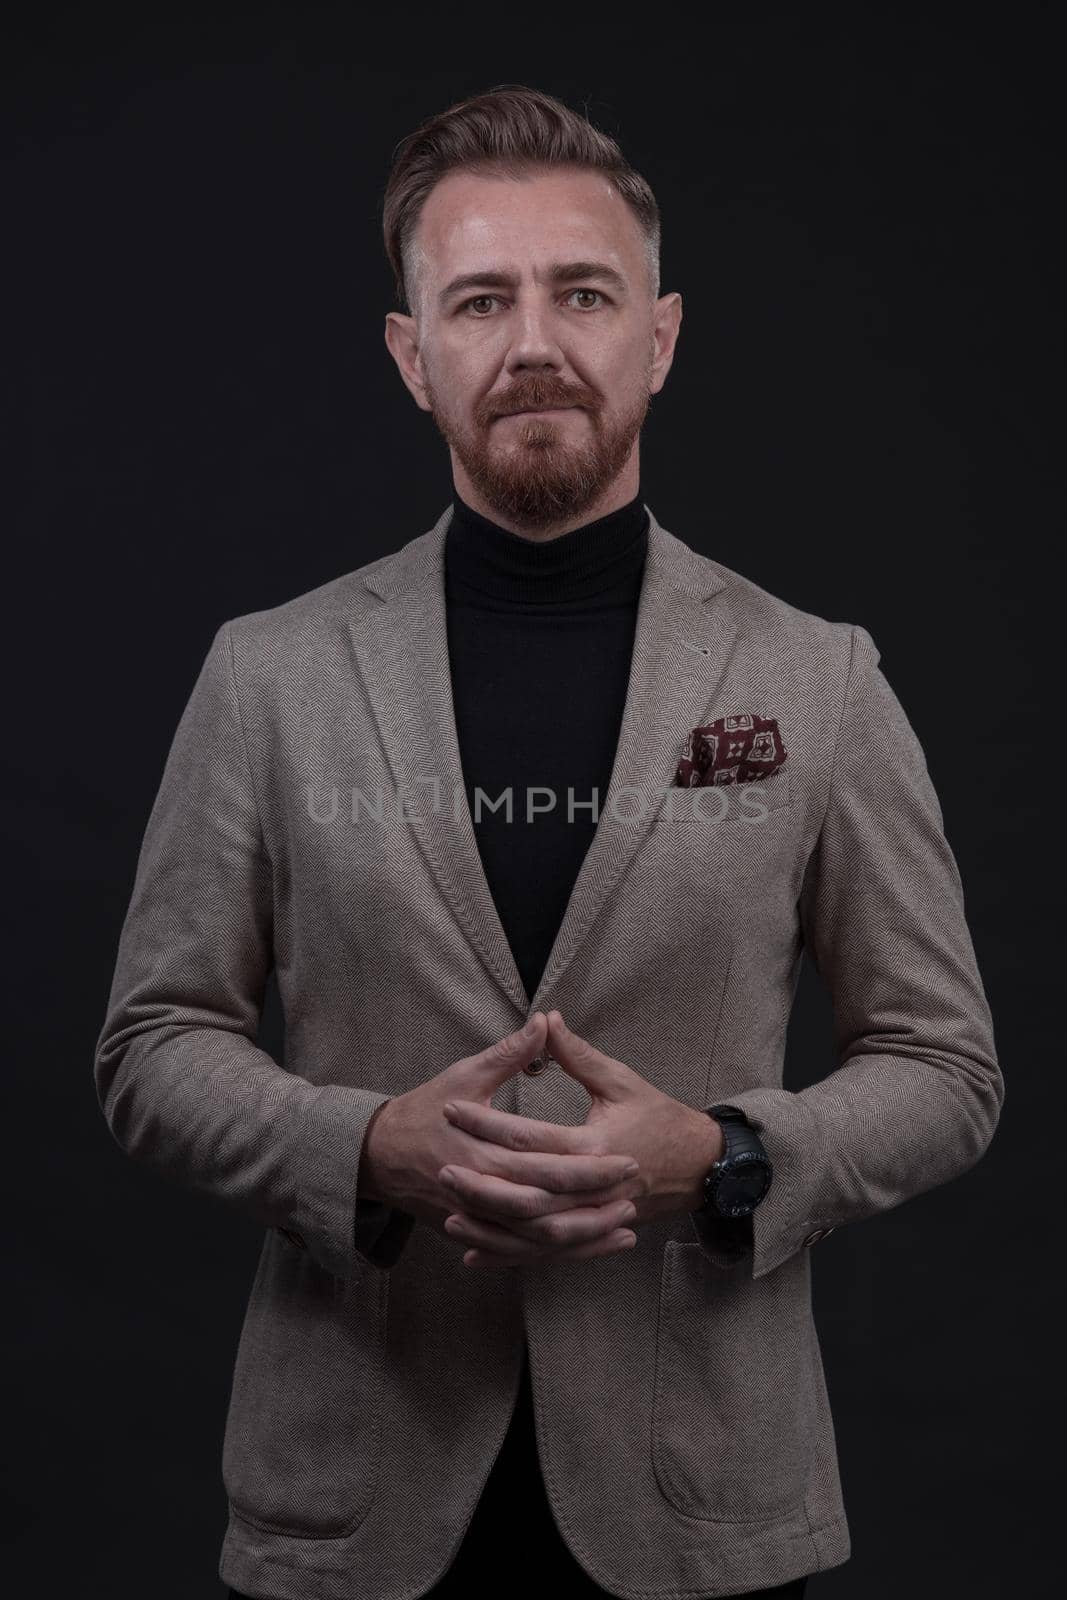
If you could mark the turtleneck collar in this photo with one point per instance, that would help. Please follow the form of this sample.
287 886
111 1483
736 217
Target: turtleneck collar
588 560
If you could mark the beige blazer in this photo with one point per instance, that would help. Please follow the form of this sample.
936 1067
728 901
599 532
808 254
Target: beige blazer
682 1418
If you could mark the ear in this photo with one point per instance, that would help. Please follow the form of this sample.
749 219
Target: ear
667 322
402 342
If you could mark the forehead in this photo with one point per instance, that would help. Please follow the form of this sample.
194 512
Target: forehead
473 220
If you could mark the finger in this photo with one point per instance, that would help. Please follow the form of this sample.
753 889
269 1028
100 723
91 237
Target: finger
566 1175
530 1227
628 1189
579 1226
513 1131
579 1172
603 1076
529 1136
485 1258
495 1239
555 1181
621 1239
547 1233
485 1071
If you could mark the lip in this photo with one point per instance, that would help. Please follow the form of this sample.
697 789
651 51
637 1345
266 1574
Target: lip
537 411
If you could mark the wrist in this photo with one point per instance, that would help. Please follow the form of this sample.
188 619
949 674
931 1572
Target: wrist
370 1178
706 1149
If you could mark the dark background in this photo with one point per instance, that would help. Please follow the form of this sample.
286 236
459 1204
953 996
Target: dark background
203 420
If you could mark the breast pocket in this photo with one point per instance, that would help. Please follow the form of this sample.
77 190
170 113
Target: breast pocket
730 862
735 1402
302 1444
741 805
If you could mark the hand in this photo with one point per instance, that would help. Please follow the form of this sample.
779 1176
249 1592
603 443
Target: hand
409 1142
673 1143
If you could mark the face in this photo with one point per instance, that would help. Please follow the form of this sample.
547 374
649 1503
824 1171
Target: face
538 382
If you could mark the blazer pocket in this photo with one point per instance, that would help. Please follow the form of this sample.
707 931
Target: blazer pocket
302 1444
743 805
734 1409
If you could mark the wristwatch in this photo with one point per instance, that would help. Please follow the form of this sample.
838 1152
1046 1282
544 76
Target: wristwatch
740 1178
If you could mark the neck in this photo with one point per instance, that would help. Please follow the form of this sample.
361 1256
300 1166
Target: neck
593 559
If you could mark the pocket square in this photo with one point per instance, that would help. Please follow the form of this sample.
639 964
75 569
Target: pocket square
740 749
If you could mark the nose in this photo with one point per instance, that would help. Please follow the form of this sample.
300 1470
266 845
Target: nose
533 344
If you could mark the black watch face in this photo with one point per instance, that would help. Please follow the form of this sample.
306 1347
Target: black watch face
741 1188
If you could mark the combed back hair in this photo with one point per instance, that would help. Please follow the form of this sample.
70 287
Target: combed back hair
509 131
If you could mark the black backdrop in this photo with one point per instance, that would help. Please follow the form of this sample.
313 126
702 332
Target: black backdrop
203 420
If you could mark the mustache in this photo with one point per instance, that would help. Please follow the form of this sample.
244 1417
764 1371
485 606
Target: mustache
539 398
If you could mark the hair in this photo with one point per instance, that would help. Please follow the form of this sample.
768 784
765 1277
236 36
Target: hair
509 131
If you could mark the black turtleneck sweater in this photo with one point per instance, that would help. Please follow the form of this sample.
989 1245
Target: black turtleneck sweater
540 636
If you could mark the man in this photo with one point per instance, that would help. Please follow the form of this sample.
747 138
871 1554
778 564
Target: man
459 800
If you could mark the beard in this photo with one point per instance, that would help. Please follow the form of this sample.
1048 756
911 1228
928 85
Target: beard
536 471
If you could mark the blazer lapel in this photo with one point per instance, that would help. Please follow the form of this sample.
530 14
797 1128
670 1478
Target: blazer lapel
681 647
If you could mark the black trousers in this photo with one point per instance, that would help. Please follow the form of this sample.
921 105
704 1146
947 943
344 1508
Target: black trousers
514 1495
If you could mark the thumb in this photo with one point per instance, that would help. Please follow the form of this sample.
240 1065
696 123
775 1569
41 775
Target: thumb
485 1072
601 1075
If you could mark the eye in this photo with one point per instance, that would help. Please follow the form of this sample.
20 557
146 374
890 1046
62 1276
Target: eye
491 297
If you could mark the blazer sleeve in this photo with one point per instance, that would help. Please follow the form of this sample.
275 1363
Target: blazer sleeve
181 1082
917 1093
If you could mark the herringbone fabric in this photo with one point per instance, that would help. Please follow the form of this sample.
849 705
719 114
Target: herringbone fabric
683 1424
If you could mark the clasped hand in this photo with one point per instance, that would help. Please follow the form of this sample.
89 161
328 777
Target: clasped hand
571 1192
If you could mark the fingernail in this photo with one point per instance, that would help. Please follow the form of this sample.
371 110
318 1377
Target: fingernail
450 1109
632 1170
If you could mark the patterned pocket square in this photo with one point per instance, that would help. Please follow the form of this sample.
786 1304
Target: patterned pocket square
740 749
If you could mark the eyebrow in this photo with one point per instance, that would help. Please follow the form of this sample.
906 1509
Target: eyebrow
559 272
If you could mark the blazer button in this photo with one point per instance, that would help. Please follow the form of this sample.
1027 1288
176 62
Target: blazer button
539 1063
820 1233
